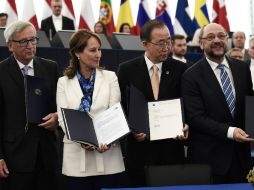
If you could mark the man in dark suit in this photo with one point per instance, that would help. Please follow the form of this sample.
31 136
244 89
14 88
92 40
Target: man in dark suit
28 155
56 22
140 151
214 91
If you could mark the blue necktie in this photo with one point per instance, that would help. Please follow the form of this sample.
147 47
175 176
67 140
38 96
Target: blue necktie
227 88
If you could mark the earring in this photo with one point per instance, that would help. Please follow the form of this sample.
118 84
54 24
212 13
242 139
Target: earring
78 58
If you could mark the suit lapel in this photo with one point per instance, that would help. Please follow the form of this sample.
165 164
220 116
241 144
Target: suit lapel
38 69
235 75
97 84
145 81
211 81
52 25
15 72
167 77
75 89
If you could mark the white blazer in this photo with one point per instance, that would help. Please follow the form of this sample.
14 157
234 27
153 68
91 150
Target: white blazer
77 161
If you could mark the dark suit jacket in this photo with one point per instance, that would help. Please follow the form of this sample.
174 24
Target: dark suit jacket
47 25
135 72
20 149
209 118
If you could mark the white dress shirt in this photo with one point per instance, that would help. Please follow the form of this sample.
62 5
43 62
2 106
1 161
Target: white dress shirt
150 64
182 59
58 22
252 71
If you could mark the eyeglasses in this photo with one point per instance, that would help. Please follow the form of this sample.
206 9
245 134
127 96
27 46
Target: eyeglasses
24 43
212 37
162 44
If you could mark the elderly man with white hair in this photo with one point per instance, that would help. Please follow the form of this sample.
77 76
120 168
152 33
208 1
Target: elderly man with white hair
28 155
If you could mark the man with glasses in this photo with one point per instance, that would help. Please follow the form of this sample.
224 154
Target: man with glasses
214 91
140 73
28 156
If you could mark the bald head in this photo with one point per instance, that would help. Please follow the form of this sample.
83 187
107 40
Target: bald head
239 39
210 27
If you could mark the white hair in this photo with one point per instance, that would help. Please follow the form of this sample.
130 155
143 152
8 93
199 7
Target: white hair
16 27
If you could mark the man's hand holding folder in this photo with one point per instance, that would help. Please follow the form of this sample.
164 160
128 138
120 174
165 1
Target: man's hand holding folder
155 120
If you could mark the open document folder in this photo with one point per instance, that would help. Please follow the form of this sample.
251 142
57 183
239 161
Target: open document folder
104 128
158 120
249 119
37 99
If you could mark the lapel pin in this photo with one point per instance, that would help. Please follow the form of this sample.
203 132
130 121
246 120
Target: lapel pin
167 72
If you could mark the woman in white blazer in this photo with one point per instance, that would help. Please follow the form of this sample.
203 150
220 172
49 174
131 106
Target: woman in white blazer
87 87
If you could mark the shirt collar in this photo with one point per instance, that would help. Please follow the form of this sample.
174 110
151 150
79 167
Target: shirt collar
214 64
57 17
30 64
252 61
182 59
150 64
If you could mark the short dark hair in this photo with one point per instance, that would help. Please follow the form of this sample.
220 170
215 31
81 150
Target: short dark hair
146 30
3 14
178 37
122 25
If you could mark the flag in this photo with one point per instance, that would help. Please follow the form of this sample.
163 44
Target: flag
183 22
47 12
29 13
143 15
11 10
220 14
106 16
125 15
86 15
162 13
200 14
68 10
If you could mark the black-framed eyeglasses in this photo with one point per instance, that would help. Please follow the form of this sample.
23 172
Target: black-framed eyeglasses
162 44
211 37
24 43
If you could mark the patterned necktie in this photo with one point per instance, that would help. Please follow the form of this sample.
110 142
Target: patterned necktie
227 88
155 81
25 70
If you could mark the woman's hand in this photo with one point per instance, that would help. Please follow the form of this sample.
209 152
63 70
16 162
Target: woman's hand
88 147
103 148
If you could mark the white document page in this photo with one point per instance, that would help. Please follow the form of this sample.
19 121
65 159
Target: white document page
165 119
110 125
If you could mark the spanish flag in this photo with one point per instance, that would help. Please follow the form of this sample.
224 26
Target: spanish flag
125 15
200 14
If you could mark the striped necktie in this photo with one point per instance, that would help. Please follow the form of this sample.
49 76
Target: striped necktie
227 88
